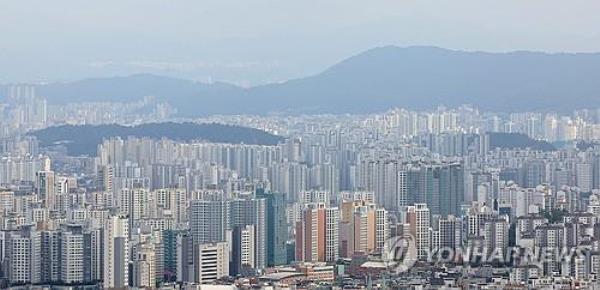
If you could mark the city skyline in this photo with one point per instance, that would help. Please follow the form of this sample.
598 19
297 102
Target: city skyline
312 145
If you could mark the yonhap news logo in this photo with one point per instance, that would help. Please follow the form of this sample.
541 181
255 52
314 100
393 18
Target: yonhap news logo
400 253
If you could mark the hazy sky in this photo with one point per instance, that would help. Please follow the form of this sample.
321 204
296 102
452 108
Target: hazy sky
257 41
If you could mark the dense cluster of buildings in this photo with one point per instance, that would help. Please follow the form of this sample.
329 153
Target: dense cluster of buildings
24 109
401 199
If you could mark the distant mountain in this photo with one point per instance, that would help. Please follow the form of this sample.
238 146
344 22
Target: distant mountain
190 98
425 77
84 139
413 77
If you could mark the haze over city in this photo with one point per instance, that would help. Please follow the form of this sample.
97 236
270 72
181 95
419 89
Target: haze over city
259 42
232 144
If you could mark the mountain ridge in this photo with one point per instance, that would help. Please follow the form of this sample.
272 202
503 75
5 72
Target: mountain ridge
418 77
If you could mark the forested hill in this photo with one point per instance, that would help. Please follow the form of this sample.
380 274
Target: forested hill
517 140
84 139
